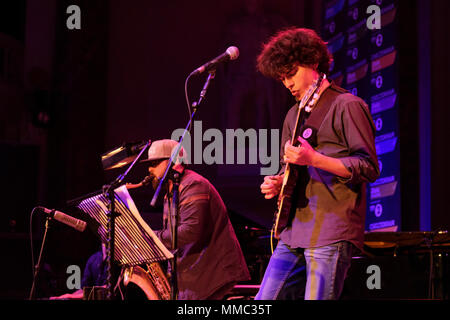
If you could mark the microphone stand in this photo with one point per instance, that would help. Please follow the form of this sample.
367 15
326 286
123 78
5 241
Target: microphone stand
37 267
108 191
174 225
175 188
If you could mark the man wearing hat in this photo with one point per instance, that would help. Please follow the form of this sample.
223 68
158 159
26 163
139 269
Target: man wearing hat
209 258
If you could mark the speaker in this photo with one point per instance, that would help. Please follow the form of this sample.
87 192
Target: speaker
421 274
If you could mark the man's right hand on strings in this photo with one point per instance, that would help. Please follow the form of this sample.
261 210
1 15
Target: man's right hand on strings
271 186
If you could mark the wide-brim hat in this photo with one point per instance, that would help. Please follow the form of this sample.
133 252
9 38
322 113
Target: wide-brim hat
163 149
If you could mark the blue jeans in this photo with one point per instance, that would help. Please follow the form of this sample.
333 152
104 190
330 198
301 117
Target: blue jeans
310 274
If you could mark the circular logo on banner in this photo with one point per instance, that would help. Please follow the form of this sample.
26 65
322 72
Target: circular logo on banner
379 40
332 28
379 124
379 82
307 133
378 210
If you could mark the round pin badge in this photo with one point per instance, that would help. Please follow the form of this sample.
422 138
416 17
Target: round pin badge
307 133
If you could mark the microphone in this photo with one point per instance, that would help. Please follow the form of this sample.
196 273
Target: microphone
77 224
136 147
232 53
145 182
122 155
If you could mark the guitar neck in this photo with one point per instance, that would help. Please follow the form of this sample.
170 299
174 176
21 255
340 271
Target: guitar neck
308 99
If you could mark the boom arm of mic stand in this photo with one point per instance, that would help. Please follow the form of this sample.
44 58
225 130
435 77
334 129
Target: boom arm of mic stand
120 178
211 75
169 164
195 106
175 213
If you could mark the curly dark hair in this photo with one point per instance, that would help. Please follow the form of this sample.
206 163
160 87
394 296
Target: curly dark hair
293 47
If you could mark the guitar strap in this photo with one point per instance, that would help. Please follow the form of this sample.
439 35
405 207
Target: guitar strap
311 123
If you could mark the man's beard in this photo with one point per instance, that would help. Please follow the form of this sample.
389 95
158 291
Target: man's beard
154 180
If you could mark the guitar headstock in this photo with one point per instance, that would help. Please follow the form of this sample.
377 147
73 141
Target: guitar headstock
312 95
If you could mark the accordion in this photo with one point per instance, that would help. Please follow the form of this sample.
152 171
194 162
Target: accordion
134 241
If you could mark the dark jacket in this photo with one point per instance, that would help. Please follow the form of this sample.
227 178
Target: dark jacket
209 255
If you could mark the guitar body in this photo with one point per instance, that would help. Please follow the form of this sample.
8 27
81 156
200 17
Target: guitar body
281 217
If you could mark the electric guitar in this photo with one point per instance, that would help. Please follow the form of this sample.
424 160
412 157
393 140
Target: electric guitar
291 173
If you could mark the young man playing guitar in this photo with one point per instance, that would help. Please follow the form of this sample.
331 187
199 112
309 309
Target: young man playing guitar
328 155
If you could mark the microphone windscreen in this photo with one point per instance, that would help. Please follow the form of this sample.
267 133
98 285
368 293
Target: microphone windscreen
233 52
